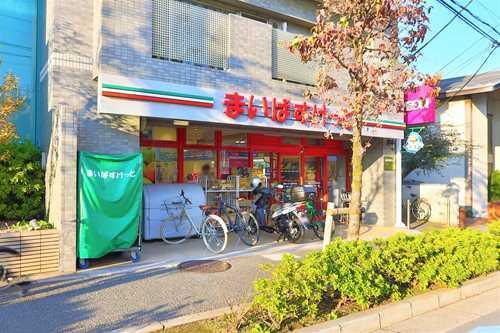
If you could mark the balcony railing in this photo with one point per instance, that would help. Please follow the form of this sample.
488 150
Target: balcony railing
286 65
188 33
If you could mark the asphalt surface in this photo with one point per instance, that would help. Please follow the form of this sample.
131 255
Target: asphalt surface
489 323
478 314
105 303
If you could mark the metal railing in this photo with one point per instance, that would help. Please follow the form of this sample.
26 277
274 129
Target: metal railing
286 65
188 33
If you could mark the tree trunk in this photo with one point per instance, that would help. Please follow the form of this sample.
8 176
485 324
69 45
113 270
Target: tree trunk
357 174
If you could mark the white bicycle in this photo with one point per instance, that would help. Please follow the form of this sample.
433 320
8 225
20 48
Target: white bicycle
176 228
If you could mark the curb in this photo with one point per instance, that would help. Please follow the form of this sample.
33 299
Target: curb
386 315
361 322
157 326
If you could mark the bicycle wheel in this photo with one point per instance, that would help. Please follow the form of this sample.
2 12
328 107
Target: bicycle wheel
247 228
176 231
214 233
318 227
420 210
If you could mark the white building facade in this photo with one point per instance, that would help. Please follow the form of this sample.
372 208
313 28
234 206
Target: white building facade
473 113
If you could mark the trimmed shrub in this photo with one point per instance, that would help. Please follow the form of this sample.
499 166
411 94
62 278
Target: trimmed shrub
365 273
494 228
294 291
494 189
21 182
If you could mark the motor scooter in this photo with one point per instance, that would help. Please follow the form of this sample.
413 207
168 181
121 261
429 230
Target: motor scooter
285 220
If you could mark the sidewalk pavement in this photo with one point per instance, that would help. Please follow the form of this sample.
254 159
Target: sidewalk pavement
158 255
107 299
480 313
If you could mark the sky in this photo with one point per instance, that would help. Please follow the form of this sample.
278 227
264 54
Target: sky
458 37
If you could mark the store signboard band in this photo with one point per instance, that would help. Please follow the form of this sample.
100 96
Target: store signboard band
280 110
149 98
152 95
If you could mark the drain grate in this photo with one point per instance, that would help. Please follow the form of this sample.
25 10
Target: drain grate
204 266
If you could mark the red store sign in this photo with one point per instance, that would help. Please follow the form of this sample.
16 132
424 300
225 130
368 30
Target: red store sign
276 110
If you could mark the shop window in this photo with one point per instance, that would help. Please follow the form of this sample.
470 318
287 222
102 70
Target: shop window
160 165
234 163
314 141
199 167
161 131
290 140
197 135
264 165
312 170
290 169
234 138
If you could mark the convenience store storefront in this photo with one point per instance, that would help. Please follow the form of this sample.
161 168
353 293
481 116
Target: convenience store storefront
197 135
197 152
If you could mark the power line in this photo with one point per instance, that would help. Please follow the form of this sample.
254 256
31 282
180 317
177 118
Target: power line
460 54
468 61
463 51
488 9
476 17
440 30
468 22
473 75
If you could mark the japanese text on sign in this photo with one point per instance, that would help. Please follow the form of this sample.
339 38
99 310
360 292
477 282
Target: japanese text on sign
110 174
277 110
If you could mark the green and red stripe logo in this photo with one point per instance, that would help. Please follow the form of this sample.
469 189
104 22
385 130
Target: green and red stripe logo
389 124
153 95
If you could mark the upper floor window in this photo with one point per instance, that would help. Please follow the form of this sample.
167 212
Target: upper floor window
185 32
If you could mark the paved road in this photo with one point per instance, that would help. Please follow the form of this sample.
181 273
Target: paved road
479 314
104 303
489 323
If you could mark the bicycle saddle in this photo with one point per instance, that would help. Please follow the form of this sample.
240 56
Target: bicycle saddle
207 209
176 202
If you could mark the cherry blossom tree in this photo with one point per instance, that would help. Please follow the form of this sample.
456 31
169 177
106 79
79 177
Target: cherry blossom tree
365 51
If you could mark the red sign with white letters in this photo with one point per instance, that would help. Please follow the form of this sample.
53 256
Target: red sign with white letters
277 110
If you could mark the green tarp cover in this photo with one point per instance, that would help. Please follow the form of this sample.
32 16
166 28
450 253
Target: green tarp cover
109 202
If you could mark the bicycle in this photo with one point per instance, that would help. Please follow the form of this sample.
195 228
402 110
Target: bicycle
420 210
244 223
7 282
213 229
316 221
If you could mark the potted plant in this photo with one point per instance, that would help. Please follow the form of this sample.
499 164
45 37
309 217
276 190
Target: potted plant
494 194
22 192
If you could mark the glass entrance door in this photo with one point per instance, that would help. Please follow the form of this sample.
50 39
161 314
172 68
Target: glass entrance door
336 178
314 179
290 170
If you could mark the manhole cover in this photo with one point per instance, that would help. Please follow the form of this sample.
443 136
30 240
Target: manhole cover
204 266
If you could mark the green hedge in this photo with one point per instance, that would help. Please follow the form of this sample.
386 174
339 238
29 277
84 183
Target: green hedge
494 188
364 273
21 182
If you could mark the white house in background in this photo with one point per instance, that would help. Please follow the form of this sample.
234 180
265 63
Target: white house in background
474 112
